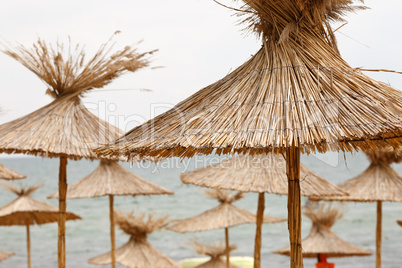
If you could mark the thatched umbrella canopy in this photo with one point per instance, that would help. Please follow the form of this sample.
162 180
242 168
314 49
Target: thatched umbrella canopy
261 174
399 222
8 174
295 95
5 255
223 216
378 183
215 252
322 240
65 128
110 179
25 210
138 252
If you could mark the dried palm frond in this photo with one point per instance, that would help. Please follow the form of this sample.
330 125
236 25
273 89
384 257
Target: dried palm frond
65 70
224 196
137 227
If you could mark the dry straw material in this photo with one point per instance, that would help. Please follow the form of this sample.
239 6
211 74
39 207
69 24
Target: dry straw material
27 211
399 222
223 216
262 174
138 252
378 183
295 95
65 128
110 179
8 174
215 252
5 255
322 240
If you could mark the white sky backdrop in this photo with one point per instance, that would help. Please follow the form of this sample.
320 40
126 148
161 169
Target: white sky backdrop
198 41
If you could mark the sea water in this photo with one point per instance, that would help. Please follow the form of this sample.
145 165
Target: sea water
90 236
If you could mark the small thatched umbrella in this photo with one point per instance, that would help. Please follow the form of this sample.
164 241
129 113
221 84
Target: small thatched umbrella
27 211
5 255
295 95
322 240
399 222
261 174
65 128
110 179
8 174
378 183
223 216
138 252
216 252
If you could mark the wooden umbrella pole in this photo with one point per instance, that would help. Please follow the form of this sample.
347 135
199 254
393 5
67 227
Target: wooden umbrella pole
61 246
112 235
227 247
258 233
29 246
294 206
378 235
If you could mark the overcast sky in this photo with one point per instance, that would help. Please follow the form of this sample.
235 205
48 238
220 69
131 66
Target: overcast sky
199 42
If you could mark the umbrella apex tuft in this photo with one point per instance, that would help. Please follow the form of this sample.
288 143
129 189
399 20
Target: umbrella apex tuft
214 251
223 196
324 216
137 227
22 190
66 71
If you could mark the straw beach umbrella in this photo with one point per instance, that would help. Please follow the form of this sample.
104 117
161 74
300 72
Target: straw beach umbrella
5 255
295 95
378 183
27 211
216 252
322 240
8 174
110 179
65 128
399 222
138 252
223 216
261 174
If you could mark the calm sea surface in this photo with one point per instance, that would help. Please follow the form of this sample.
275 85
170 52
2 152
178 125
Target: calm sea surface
89 237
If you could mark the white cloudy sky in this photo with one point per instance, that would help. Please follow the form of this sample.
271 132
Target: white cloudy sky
198 41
